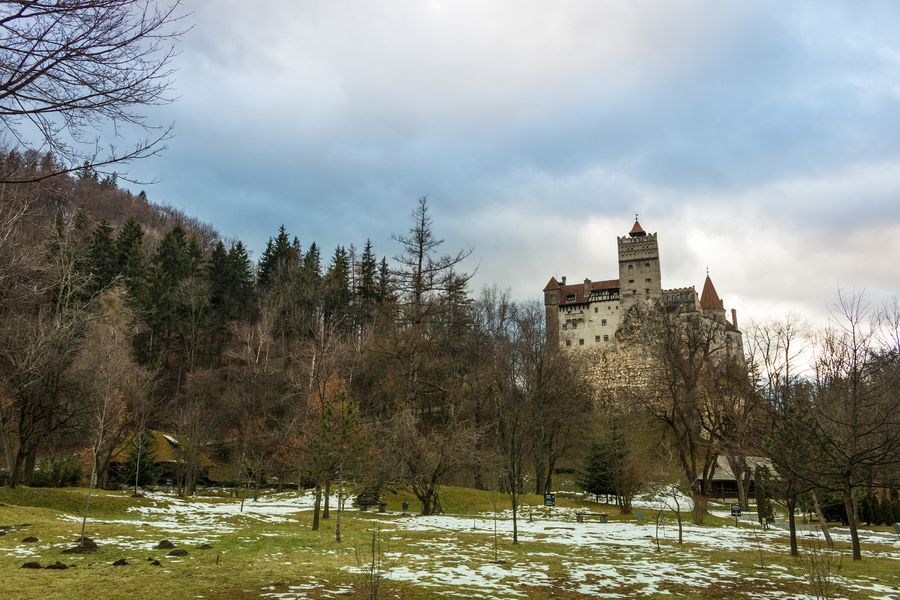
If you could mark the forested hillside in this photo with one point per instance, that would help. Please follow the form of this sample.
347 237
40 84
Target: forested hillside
121 316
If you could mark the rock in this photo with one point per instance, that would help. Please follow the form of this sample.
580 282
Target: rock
178 552
32 565
120 563
164 545
57 565
29 540
156 563
204 547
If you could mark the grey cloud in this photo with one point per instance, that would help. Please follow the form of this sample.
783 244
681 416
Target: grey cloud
537 129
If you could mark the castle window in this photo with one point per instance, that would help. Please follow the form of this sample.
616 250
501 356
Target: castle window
581 342
648 291
605 338
570 298
574 325
647 265
630 267
603 322
648 280
596 309
631 281
568 342
565 326
596 338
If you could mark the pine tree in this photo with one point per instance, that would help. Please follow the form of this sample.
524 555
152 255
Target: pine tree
385 286
762 483
102 261
596 475
241 272
337 293
129 251
280 259
172 255
366 289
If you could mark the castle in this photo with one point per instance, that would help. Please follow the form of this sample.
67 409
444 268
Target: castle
586 316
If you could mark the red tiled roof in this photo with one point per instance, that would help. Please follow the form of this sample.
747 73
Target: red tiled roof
553 284
709 298
577 290
636 229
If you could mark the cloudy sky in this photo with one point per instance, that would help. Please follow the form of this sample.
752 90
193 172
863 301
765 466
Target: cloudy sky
758 139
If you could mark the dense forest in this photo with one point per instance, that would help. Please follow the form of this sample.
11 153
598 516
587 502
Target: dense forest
121 316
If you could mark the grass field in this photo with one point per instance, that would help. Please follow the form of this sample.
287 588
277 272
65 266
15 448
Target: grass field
270 551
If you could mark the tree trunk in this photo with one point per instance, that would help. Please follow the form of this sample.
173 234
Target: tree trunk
821 516
137 469
515 510
326 512
426 503
340 507
17 468
551 464
539 478
853 522
318 506
792 524
678 516
28 467
698 514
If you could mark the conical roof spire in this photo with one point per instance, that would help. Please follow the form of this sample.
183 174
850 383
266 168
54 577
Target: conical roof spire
709 299
636 229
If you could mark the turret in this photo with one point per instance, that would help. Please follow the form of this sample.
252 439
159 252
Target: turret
710 302
551 309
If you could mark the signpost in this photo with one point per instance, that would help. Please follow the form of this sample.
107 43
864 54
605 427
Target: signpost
735 512
550 501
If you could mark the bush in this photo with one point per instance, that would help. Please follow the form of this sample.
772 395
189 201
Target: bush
57 472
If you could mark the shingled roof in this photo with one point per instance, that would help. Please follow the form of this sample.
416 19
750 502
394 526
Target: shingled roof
709 299
637 230
577 290
553 284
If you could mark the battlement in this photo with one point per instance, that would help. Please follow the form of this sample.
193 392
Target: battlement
638 248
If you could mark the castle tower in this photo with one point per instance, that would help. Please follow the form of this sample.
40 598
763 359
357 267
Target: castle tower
639 271
551 307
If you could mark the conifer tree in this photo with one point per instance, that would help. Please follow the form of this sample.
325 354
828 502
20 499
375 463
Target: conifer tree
385 287
241 275
129 252
366 289
337 293
102 260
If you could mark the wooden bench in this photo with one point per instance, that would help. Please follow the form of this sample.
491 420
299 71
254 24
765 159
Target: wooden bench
364 506
370 496
581 516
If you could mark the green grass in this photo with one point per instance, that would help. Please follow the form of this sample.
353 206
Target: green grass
71 500
258 557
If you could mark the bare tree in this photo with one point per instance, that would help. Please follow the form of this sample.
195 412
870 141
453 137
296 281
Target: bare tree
423 272
776 350
854 419
688 353
114 376
71 70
